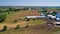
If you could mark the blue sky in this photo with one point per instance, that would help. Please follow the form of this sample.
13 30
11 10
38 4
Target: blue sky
29 2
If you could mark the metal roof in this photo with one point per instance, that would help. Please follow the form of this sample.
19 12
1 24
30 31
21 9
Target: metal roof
36 16
58 15
51 16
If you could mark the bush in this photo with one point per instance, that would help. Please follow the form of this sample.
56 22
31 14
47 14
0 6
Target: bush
54 13
15 21
2 17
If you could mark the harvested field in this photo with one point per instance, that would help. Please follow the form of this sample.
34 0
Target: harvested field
21 14
37 29
35 13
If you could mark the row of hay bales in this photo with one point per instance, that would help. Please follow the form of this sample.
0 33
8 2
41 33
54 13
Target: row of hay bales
4 27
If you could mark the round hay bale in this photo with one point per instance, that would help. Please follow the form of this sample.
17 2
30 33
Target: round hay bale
17 27
4 28
26 26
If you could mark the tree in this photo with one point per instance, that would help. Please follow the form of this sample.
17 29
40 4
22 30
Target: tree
54 13
10 9
2 17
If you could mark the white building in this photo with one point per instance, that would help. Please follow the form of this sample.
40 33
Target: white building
36 17
51 16
57 24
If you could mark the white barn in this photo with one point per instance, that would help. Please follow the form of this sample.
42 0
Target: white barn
51 16
36 17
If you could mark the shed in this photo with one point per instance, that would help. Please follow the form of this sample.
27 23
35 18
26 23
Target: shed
51 16
57 24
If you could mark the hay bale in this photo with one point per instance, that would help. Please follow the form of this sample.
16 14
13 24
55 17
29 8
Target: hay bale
4 29
17 27
26 26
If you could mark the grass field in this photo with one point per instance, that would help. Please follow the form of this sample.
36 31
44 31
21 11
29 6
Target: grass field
38 21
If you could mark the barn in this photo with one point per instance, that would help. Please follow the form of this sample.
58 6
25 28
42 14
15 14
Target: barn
29 17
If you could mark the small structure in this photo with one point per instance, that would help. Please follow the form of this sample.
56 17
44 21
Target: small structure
51 16
57 24
42 14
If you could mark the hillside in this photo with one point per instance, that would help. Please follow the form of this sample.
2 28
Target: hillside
21 14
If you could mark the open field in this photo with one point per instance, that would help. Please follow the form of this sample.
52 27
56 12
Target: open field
22 23
34 26
36 29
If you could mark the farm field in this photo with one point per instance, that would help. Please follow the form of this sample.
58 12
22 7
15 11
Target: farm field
35 26
36 29
20 15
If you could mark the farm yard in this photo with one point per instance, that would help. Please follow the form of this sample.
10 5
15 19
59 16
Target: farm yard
16 23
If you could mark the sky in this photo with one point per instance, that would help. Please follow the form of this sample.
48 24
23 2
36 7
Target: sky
29 2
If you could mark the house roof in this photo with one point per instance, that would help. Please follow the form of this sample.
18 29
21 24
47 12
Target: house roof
57 19
58 15
53 16
31 16
49 15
